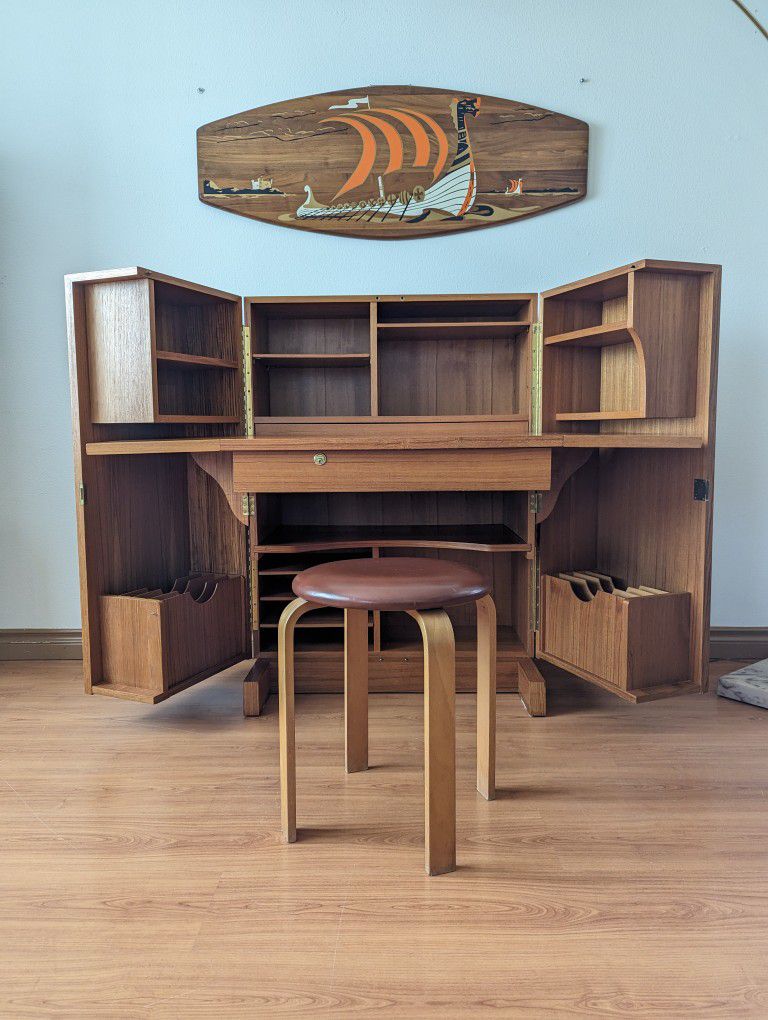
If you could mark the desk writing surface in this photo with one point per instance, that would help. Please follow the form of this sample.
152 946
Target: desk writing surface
323 440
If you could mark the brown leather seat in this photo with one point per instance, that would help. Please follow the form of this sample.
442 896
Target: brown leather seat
390 583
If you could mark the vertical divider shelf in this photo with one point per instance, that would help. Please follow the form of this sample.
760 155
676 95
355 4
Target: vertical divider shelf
374 353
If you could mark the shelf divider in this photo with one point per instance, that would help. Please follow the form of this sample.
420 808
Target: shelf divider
606 335
475 330
326 360
193 361
598 415
198 419
481 538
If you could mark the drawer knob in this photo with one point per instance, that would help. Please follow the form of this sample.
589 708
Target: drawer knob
320 459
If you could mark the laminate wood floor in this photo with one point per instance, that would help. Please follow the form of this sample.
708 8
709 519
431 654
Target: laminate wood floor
623 871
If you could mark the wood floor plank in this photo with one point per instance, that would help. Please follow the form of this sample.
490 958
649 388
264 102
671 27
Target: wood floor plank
621 872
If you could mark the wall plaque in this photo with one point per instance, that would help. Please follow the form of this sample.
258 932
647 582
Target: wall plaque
392 161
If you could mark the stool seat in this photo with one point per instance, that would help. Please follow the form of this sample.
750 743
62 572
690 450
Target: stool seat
391 583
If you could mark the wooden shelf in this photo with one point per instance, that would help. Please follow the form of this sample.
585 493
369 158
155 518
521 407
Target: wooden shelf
197 419
308 360
630 440
598 415
284 571
607 335
388 419
316 619
478 330
193 361
481 538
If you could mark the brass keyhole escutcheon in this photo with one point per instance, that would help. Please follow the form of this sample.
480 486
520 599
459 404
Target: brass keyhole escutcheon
320 459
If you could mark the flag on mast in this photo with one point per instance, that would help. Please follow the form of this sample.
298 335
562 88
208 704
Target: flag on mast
352 104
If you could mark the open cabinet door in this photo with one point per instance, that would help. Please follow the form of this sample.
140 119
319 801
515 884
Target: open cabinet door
624 538
162 550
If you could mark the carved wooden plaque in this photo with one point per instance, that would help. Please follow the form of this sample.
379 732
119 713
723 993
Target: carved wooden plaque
392 161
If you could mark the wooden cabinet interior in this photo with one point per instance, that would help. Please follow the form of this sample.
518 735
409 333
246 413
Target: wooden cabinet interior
160 352
378 425
311 359
490 531
401 359
629 351
151 520
630 514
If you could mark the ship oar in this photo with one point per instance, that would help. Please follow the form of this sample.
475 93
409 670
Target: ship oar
388 210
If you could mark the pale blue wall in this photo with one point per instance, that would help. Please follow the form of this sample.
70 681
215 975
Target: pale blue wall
100 102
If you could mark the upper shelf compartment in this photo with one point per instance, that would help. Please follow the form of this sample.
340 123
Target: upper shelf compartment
311 356
162 351
455 355
424 358
630 350
453 309
476 330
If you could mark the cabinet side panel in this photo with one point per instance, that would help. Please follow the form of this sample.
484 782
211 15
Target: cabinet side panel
118 318
666 318
87 519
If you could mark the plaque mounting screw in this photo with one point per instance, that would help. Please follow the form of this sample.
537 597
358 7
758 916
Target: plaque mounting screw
320 459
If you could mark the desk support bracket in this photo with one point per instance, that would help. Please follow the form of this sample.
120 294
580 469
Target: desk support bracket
219 467
564 464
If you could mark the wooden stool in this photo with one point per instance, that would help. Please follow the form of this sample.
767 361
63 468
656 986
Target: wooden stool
422 588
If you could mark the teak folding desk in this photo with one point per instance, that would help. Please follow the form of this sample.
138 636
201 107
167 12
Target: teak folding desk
563 443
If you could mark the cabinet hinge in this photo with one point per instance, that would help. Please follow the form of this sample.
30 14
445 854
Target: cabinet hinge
249 506
536 355
535 602
701 489
81 494
534 502
247 381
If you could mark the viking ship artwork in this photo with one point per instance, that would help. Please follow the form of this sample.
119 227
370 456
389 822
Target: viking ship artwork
392 162
452 192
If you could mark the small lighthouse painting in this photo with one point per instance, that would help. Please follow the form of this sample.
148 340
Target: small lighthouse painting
392 162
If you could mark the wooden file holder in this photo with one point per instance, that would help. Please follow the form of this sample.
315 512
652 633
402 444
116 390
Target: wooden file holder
629 643
158 642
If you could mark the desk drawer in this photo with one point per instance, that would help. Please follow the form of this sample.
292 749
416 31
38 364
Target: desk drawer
391 470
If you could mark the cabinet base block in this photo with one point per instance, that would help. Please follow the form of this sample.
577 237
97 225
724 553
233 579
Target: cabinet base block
532 688
388 673
635 697
256 687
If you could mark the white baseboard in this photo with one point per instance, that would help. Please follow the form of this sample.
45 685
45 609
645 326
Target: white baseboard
40 644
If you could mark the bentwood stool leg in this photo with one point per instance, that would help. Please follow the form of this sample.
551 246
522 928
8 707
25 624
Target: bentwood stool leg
356 689
292 612
439 740
486 697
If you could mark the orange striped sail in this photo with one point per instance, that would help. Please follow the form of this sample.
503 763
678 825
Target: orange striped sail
413 122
